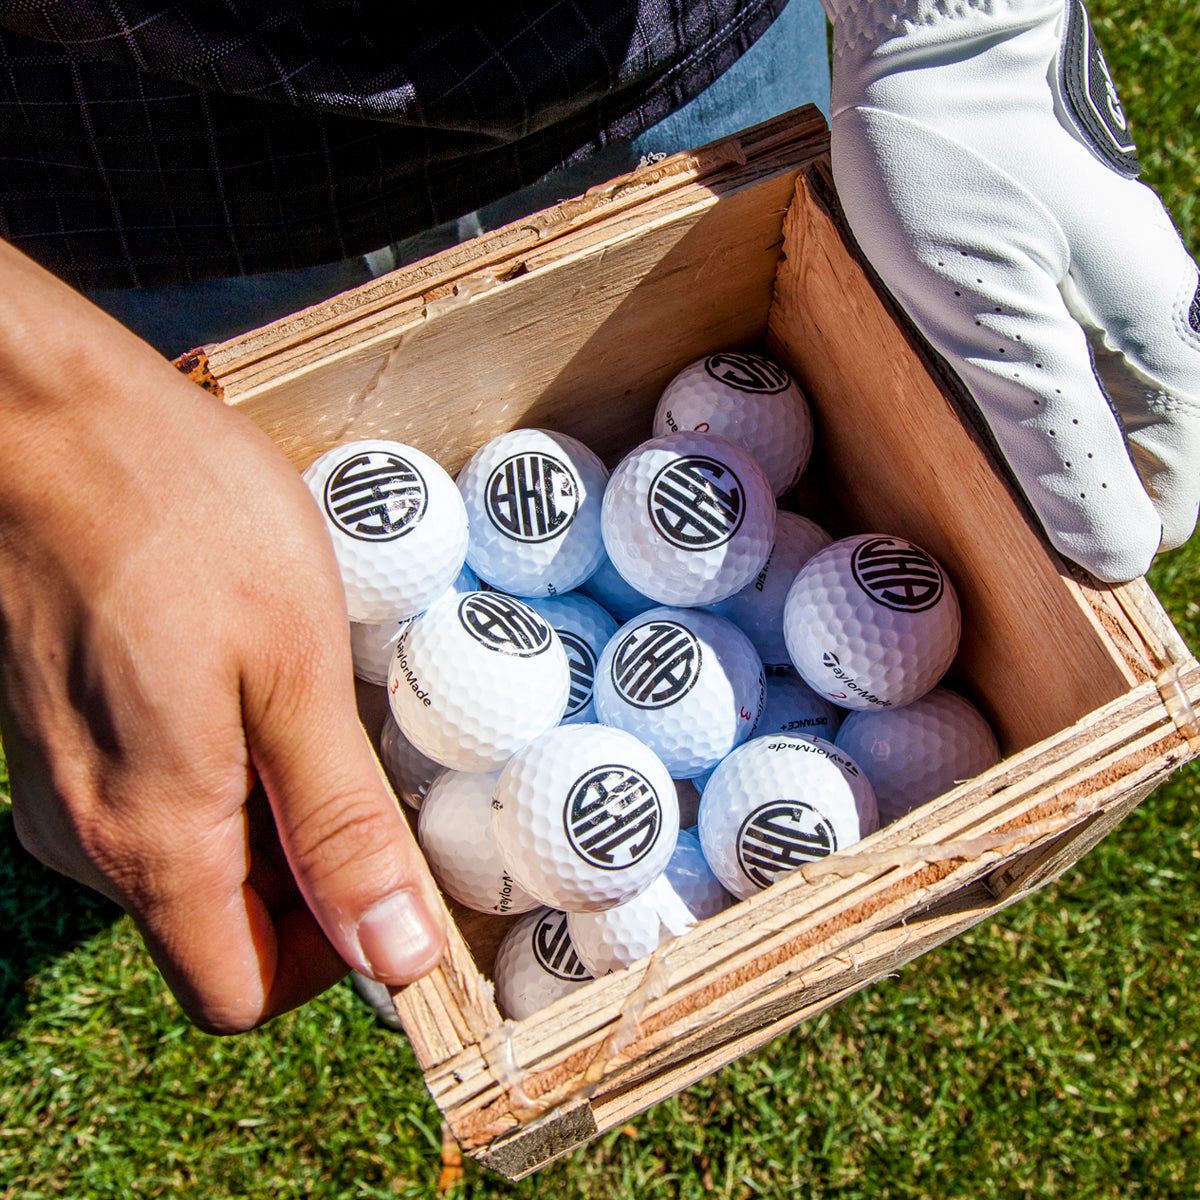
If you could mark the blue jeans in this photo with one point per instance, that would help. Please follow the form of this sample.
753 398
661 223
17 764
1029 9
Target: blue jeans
788 66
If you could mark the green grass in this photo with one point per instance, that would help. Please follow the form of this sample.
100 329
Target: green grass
1050 1052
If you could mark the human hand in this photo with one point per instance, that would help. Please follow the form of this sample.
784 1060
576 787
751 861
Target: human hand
981 155
176 693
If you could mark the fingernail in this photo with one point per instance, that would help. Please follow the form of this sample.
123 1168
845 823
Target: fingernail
399 938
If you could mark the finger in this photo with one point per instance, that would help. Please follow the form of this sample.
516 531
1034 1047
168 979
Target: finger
348 844
981 281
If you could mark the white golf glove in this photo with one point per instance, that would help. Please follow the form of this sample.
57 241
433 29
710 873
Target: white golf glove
982 157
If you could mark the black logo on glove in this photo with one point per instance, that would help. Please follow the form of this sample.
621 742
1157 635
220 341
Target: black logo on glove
375 496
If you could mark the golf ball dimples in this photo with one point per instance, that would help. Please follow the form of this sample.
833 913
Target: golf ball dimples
778 802
688 518
398 525
454 830
871 621
749 399
533 501
476 677
536 964
373 646
585 817
757 609
584 629
913 754
791 706
687 683
409 771
685 893
608 588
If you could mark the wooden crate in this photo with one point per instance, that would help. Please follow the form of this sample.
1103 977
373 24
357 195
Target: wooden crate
575 319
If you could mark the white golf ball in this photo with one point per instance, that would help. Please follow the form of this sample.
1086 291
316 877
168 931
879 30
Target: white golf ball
585 817
757 609
536 965
533 501
373 646
687 683
608 588
871 621
749 399
778 802
913 754
688 518
454 830
584 629
397 522
476 677
685 893
791 706
409 771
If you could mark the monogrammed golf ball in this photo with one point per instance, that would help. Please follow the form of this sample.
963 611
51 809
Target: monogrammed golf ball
583 628
689 684
476 677
373 646
685 893
757 610
913 754
871 621
791 706
608 588
533 501
398 526
585 817
749 399
409 771
536 965
454 830
778 802
688 518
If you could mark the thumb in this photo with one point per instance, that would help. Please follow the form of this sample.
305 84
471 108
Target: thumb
349 847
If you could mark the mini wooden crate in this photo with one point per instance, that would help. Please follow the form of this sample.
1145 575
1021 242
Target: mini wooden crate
575 319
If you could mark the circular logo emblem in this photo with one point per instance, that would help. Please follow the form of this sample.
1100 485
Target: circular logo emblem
553 951
532 497
747 372
696 502
376 496
504 624
897 574
612 817
656 664
582 661
780 836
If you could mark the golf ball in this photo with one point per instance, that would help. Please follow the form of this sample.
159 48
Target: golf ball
583 628
749 399
687 683
476 677
778 802
757 609
871 621
536 964
791 706
533 501
608 588
397 522
913 754
688 518
409 771
585 817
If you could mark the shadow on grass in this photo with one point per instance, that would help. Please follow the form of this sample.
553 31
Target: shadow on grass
43 915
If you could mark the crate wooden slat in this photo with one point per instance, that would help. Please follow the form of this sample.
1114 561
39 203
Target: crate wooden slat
575 319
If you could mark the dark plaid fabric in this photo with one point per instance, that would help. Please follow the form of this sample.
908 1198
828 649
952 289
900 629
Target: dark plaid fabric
145 142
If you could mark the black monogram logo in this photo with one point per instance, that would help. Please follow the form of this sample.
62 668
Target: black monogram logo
696 503
656 664
582 662
503 623
532 497
781 836
897 574
613 816
553 950
747 372
375 496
